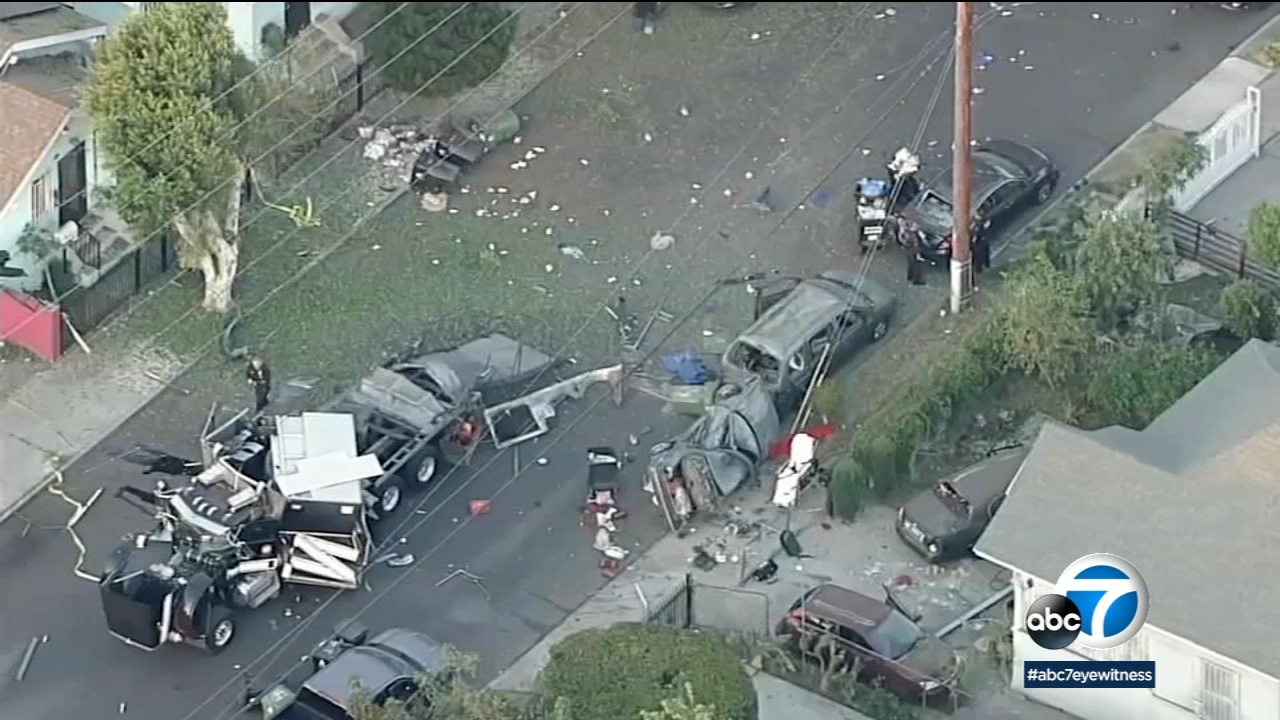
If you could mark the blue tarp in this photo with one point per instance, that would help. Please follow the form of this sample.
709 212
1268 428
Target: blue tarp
687 367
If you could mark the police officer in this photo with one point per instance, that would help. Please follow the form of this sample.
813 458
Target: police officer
259 376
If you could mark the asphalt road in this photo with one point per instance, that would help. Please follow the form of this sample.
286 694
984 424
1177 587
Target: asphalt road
1074 85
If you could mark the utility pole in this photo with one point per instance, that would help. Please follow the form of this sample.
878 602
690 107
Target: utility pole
961 177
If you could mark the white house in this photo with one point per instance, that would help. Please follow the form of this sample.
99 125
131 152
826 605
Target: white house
1193 501
247 19
49 168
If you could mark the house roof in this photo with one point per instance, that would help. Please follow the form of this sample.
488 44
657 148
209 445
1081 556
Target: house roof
34 107
22 22
1193 501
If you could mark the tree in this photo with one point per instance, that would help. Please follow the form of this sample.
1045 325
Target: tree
1133 386
1264 233
1250 310
293 117
409 54
1171 167
1120 259
162 114
1044 321
622 671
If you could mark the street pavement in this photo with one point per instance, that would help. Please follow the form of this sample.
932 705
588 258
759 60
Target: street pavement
1074 85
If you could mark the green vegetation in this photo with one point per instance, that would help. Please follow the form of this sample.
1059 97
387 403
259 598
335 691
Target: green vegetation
1249 310
622 671
1081 290
646 672
410 52
1264 234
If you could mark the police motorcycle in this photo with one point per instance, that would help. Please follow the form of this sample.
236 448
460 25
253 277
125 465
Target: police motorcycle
873 212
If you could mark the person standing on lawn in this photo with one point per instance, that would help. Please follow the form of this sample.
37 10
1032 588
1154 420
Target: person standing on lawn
259 376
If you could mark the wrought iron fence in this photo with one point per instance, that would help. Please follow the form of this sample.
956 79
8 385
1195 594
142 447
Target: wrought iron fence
674 609
87 305
1217 250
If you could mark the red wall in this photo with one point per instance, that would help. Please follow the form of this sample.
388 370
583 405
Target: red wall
32 324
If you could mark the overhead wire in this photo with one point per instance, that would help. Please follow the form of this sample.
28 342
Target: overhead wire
280 644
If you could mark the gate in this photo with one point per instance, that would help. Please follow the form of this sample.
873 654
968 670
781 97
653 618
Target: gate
88 305
675 609
1232 141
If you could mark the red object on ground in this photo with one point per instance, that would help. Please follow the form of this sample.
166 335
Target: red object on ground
610 568
32 324
480 507
780 449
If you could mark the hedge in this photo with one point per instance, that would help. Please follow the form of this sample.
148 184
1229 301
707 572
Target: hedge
880 456
615 673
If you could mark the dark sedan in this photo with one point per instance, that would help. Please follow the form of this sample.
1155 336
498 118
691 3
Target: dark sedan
1008 177
943 522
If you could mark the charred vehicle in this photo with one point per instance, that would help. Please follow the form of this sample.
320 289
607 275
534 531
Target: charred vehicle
798 321
276 503
717 454
288 499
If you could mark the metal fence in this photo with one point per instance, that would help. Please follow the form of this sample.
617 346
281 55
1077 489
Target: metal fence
675 609
1217 250
88 305
724 610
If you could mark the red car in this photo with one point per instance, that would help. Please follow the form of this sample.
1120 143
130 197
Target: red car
892 649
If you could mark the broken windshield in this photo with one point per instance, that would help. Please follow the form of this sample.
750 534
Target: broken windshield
895 636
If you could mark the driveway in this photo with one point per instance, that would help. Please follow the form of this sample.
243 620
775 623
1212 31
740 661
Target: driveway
1074 85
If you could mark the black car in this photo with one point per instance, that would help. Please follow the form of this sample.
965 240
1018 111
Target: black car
944 522
1008 177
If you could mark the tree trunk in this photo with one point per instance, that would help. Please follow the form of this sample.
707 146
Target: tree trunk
211 244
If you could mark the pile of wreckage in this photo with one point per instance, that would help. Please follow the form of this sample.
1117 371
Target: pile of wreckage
290 498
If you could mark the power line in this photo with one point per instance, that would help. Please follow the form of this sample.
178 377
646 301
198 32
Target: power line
281 644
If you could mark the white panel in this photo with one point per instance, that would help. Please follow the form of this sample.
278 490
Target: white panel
328 471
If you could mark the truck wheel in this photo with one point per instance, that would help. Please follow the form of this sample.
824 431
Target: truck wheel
221 629
426 468
389 497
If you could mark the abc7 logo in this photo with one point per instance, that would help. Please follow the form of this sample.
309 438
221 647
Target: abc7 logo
1115 596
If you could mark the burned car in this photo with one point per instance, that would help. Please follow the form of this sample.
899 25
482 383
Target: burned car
944 522
874 638
1008 177
797 321
717 454
388 667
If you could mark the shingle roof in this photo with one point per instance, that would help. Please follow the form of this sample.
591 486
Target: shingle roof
28 122
1193 501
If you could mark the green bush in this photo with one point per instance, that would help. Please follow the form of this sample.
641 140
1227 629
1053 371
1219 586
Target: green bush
1264 233
622 671
1133 386
879 459
1119 260
464 51
1250 310
1044 317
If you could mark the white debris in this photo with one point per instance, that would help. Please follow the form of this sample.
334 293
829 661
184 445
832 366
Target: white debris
503 191
661 241
978 91
584 162
524 201
1096 16
684 111
728 192
554 208
533 194
890 12
549 268
611 279
748 175
365 133
648 138
530 155
606 212
519 165
374 151
517 140
435 261
697 186
693 201
755 36
542 461
548 232
572 251
539 149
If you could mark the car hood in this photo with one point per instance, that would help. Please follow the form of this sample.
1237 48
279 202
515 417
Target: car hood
933 516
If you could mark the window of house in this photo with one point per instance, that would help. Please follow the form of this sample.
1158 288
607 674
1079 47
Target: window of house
1219 697
40 200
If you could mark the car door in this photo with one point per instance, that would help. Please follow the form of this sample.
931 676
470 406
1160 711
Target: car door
770 291
799 369
853 331
1006 201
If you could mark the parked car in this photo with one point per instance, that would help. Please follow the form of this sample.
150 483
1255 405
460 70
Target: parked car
796 319
944 522
890 649
388 667
1008 177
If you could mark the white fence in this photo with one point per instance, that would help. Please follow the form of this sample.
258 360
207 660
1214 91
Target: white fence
1232 141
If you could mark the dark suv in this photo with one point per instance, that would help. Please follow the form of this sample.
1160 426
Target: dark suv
889 648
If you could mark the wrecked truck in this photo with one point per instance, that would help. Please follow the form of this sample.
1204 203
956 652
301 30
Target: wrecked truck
717 454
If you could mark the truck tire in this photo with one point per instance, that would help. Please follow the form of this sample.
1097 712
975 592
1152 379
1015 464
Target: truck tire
390 496
426 468
220 629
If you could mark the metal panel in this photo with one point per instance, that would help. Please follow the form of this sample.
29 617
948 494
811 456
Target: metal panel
1219 693
334 477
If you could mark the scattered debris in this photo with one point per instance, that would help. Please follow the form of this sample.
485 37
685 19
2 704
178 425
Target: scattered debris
479 507
572 251
661 241
27 656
